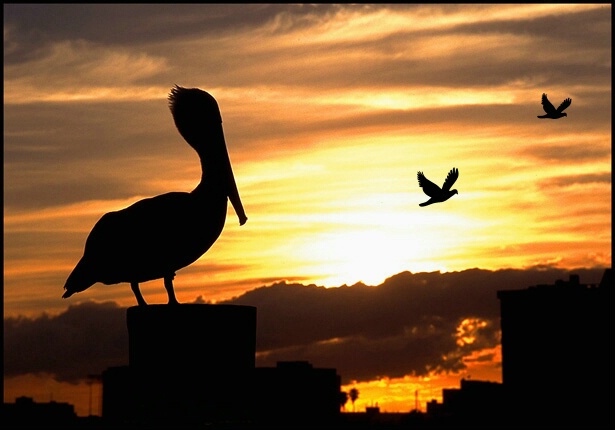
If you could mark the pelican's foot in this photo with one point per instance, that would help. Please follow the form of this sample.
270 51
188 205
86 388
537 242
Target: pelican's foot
168 285
135 289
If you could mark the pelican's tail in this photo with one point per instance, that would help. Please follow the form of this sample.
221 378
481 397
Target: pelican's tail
77 281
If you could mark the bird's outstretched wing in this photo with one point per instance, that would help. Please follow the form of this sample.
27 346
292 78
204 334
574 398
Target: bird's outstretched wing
428 187
564 104
450 179
546 105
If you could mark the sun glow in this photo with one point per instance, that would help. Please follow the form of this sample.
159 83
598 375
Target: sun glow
353 256
370 253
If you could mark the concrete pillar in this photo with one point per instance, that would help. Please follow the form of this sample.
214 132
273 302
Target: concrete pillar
191 363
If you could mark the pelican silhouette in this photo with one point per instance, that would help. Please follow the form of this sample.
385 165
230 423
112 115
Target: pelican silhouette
155 237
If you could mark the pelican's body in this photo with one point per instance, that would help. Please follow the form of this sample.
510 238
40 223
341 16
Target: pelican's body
155 237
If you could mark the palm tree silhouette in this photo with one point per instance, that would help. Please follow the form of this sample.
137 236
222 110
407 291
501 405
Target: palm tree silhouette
343 399
354 395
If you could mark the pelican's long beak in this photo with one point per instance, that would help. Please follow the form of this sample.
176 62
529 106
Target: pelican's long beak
233 196
233 193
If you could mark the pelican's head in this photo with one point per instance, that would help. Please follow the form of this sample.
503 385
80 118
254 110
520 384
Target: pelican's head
196 114
197 118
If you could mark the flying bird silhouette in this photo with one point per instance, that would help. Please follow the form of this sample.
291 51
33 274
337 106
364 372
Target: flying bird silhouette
155 237
550 110
436 193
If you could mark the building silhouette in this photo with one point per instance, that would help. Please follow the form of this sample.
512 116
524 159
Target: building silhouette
557 353
296 392
117 395
26 413
474 404
188 365
556 363
194 365
289 393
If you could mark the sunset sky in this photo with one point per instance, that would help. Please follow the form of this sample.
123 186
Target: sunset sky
328 111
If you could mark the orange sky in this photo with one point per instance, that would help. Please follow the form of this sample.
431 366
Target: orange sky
329 111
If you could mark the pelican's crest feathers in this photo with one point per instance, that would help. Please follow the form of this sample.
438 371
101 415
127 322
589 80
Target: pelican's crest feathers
193 110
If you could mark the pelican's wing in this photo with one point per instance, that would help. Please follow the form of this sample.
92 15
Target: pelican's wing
564 104
546 105
450 179
428 187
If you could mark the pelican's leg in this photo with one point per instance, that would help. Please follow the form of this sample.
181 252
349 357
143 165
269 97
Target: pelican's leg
135 289
168 284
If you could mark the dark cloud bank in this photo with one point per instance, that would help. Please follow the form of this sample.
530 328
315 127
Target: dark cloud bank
406 325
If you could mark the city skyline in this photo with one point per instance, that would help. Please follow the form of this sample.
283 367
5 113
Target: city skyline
423 331
166 375
328 111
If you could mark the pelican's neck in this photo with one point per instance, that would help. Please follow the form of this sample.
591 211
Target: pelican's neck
214 174
217 177
216 170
